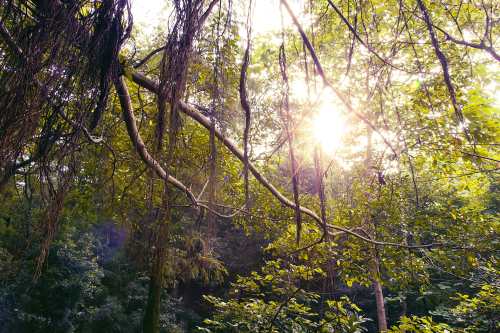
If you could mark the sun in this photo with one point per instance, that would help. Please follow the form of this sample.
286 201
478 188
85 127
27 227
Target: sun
328 128
327 123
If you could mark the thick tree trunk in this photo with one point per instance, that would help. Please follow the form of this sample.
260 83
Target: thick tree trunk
151 321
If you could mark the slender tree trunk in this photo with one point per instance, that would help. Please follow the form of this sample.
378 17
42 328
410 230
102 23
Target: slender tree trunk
374 260
151 320
379 297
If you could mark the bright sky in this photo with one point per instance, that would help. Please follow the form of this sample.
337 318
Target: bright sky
266 16
146 11
146 14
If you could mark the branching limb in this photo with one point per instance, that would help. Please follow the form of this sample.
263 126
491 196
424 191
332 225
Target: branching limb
207 12
356 36
193 113
480 46
148 57
444 64
128 115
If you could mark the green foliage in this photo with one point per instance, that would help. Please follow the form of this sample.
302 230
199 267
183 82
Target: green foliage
415 324
257 315
270 302
191 261
479 312
77 292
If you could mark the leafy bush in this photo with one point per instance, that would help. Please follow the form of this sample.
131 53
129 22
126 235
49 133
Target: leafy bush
270 302
415 324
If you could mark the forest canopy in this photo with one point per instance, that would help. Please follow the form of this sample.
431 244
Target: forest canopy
249 166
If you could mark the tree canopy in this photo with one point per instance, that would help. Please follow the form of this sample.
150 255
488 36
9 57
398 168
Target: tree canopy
249 166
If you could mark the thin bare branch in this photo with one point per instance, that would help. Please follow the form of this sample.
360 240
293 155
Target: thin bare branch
481 45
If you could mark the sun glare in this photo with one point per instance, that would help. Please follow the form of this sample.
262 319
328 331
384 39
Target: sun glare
328 125
328 128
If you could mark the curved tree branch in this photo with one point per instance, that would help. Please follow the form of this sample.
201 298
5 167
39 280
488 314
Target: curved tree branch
444 65
193 113
248 114
480 46
128 115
